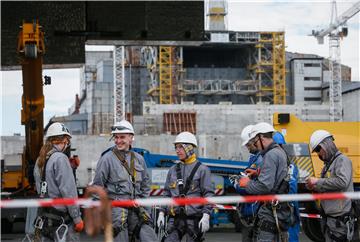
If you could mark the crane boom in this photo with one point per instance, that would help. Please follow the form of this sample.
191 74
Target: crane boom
341 20
335 34
31 49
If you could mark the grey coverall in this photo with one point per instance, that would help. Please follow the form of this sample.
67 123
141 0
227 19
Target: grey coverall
338 178
200 187
61 184
114 177
271 174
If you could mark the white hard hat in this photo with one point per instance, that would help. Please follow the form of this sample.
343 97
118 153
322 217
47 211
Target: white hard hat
261 128
245 134
186 138
122 127
57 129
317 137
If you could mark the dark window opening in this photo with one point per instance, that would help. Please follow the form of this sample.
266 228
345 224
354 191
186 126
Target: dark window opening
311 64
312 78
312 99
312 88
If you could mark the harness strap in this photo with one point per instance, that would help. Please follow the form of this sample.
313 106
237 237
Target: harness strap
43 183
184 190
122 159
179 181
328 166
48 155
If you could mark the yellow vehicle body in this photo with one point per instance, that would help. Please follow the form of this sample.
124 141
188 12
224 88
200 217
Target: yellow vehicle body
346 135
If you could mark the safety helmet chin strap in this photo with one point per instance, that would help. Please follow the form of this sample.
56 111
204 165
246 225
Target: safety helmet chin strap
261 143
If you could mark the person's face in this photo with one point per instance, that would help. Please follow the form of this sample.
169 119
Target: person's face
123 141
63 144
320 152
257 143
180 151
251 147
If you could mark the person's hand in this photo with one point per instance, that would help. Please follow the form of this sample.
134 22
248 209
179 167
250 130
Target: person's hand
243 182
311 182
204 223
79 226
251 173
161 220
234 180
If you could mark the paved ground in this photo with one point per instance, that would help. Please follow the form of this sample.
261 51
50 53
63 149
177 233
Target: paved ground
222 234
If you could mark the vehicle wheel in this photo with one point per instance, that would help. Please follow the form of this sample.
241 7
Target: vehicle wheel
6 226
312 229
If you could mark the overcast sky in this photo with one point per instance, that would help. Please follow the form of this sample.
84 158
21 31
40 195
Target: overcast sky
296 18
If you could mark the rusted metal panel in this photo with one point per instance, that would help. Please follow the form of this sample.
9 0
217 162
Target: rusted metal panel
175 123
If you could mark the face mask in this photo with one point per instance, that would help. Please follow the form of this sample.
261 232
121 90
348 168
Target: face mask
189 150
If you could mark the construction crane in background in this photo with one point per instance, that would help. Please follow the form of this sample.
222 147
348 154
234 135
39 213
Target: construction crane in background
31 49
336 30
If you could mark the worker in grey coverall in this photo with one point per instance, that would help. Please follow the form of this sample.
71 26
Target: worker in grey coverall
273 218
54 179
191 221
336 176
123 173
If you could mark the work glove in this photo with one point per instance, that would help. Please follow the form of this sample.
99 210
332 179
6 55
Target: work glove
79 226
161 220
204 223
243 182
234 180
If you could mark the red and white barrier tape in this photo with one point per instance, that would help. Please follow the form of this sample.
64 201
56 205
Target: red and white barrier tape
147 202
310 215
224 207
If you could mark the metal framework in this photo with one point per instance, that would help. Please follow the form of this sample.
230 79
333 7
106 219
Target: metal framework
267 67
219 87
165 70
335 31
335 90
149 55
279 69
119 83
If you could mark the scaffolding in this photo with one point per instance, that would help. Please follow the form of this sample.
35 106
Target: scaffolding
165 66
268 67
279 68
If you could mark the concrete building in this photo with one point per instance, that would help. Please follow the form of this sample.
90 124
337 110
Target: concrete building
307 78
350 100
229 68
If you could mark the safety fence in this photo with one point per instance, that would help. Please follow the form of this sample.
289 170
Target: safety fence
148 202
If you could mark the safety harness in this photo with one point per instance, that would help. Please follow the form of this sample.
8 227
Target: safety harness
144 217
274 206
50 221
348 218
181 216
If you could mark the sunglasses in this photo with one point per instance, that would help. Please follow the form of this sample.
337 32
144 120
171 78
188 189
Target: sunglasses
119 128
317 149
